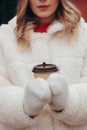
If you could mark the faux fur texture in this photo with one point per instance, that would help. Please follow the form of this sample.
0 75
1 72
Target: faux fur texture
16 74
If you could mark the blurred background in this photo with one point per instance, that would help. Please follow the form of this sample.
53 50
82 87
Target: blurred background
8 9
82 5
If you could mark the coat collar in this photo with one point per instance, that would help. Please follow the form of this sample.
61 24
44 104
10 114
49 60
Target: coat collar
53 28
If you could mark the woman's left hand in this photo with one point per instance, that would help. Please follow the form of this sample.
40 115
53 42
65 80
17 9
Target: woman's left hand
59 91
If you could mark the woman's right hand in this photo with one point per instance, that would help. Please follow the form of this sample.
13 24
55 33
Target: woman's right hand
37 94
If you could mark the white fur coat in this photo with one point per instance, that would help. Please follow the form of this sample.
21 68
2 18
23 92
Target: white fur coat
16 72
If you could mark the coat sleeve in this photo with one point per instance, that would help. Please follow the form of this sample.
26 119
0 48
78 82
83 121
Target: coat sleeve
11 100
75 112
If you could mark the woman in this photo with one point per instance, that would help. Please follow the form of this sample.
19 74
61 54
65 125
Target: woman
50 31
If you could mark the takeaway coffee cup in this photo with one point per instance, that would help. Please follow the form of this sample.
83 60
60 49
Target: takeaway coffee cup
44 70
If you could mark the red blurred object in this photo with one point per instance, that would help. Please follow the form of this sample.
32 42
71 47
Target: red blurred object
82 5
42 27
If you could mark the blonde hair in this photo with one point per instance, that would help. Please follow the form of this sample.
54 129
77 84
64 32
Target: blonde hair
66 12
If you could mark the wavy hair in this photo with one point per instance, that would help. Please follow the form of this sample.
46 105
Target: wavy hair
66 12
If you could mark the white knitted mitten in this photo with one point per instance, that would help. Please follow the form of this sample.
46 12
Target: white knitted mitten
59 90
37 94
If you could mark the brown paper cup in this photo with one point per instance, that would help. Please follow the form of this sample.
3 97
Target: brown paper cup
44 70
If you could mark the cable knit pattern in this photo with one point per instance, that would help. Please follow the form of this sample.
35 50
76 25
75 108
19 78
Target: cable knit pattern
16 74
